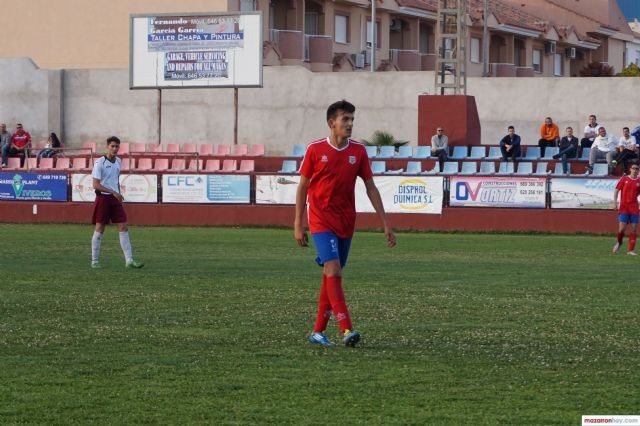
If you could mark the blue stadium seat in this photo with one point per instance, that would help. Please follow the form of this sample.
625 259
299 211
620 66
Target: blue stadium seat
469 168
487 168
600 169
387 151
585 154
434 171
378 167
550 152
558 169
422 151
372 151
404 151
494 153
541 168
532 153
298 150
450 168
459 153
477 152
413 168
506 168
289 166
525 168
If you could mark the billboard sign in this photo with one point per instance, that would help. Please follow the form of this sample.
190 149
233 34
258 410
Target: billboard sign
582 193
484 191
33 186
206 189
134 188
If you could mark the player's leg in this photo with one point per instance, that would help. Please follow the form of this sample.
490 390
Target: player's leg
100 219
349 336
119 217
633 222
622 224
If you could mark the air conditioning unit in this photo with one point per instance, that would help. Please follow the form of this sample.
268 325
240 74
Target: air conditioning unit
550 47
396 25
571 53
358 59
367 56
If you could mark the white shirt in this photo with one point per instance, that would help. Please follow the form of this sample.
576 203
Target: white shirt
107 173
628 143
605 143
589 129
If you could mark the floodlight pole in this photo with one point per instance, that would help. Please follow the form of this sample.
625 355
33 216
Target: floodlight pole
485 41
235 116
159 111
374 35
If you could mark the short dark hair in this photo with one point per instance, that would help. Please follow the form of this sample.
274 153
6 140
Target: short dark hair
511 127
342 105
594 116
113 139
625 128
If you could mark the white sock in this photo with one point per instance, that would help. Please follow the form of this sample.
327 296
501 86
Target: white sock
95 246
126 246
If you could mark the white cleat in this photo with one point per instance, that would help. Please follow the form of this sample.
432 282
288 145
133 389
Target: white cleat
632 253
616 248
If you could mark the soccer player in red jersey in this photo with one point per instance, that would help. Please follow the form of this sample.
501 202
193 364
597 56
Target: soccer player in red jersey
328 176
629 187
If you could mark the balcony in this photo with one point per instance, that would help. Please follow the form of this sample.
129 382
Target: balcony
524 71
290 44
428 61
503 70
318 51
405 60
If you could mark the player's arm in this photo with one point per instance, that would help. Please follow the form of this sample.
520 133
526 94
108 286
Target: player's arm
615 198
99 187
376 202
301 202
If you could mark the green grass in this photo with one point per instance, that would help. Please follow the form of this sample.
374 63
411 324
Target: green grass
457 329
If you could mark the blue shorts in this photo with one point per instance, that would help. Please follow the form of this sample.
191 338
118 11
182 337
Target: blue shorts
628 218
330 247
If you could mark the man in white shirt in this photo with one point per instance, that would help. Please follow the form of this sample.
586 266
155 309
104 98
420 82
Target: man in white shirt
626 149
590 132
440 146
604 147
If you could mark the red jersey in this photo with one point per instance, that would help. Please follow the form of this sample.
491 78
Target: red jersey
629 191
20 140
331 194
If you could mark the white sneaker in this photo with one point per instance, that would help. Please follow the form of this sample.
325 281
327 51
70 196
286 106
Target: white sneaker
632 253
616 248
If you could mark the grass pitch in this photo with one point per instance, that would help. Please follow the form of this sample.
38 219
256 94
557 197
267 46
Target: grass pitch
457 329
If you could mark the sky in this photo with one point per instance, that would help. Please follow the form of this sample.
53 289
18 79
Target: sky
630 8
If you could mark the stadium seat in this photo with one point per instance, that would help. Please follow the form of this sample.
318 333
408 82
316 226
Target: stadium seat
298 150
506 168
487 168
413 167
223 149
450 168
459 153
541 168
558 169
477 152
434 171
229 166
421 152
172 147
585 154
372 151
144 164
524 168
189 147
13 163
600 169
469 168
161 165
62 163
205 149
79 163
124 148
154 147
404 151
247 166
550 152
137 147
257 150
212 165
90 147
494 153
532 153
387 151
196 165
127 164
289 166
30 163
178 165
46 163
378 167
240 149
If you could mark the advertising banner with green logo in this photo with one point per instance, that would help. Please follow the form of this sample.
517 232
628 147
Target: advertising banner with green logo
33 186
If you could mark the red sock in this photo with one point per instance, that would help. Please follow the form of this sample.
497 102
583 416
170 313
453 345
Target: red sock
632 241
338 304
324 308
620 237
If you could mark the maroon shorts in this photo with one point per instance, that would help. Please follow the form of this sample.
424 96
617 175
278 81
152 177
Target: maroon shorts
108 209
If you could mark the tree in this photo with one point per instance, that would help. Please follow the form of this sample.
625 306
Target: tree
382 138
597 69
632 70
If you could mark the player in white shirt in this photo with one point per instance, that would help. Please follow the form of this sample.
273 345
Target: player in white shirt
108 204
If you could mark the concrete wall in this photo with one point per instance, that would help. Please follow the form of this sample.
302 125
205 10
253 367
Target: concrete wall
290 109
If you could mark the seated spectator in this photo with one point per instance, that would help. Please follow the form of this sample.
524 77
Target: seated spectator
549 135
604 146
568 149
51 148
19 146
626 149
5 137
440 146
590 132
510 145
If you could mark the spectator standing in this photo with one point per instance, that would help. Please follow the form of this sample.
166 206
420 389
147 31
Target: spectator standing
19 145
590 132
440 146
626 149
629 188
604 146
51 148
5 138
568 149
510 145
549 135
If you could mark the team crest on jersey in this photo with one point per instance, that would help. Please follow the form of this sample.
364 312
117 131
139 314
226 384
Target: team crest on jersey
352 159
324 159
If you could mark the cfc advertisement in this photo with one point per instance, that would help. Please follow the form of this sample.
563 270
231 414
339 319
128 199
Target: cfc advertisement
134 188
497 192
33 187
230 189
582 193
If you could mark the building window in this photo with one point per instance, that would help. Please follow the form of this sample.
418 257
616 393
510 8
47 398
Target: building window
557 64
475 50
311 23
342 29
537 60
370 34
247 5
